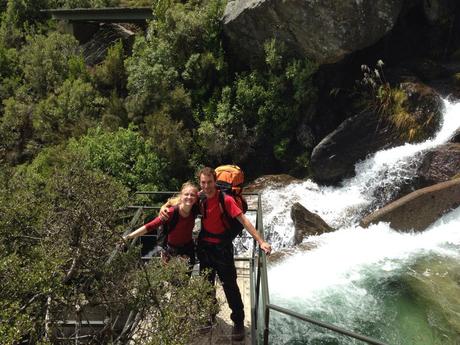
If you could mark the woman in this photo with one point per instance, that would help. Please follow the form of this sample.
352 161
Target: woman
178 227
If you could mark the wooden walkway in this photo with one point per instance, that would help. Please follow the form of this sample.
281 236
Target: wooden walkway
221 332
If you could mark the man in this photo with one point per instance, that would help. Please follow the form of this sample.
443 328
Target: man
215 252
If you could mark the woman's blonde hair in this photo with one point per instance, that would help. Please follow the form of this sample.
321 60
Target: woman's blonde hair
174 200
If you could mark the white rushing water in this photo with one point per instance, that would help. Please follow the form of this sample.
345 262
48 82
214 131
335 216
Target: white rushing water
348 278
342 206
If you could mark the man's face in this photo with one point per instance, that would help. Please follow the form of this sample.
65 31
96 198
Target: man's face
208 185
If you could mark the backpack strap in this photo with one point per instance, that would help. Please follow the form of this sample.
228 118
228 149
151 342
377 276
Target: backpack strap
227 235
223 209
168 227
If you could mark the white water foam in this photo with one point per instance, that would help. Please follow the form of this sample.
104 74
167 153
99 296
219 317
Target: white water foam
341 206
344 257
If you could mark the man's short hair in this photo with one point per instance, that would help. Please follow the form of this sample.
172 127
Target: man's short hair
207 171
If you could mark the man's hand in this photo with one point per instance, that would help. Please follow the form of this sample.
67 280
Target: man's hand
266 247
163 214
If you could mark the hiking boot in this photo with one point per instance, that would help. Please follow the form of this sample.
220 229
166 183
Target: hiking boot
238 332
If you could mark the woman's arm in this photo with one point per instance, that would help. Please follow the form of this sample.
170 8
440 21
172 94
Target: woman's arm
139 232
155 223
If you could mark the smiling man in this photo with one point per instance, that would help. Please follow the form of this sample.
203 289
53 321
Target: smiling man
215 251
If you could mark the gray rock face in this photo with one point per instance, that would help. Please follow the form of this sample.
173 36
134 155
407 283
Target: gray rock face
440 164
325 30
307 223
417 210
456 137
336 155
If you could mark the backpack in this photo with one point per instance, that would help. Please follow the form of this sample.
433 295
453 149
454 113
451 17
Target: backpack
166 228
229 181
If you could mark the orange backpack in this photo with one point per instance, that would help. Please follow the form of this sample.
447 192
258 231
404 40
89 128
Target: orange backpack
229 181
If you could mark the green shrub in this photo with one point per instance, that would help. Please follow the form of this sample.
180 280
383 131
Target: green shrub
182 49
125 155
22 17
111 74
47 61
260 111
69 113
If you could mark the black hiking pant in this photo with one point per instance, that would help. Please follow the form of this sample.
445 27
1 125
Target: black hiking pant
218 258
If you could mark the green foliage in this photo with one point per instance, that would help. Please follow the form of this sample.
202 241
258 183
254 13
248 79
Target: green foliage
49 60
260 105
172 141
47 96
68 113
59 227
136 3
9 72
111 74
88 3
125 155
179 309
115 114
21 17
16 129
182 50
390 104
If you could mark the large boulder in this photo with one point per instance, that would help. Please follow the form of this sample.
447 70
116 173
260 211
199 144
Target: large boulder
307 223
417 210
335 156
440 164
325 30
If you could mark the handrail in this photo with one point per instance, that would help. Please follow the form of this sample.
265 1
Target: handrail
329 326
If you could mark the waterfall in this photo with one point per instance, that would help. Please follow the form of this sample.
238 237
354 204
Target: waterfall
374 281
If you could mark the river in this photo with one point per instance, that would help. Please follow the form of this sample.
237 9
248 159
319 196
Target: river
400 288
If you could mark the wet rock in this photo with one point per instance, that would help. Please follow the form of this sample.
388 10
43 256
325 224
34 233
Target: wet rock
456 137
274 181
307 223
345 26
419 209
440 164
284 253
427 69
335 156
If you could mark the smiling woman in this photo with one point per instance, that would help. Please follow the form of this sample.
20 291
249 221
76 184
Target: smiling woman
175 238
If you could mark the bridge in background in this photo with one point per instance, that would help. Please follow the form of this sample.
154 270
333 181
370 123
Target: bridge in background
84 22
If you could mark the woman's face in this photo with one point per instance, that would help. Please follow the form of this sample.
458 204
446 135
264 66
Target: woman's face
189 195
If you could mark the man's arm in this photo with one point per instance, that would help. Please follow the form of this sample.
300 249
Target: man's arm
265 246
